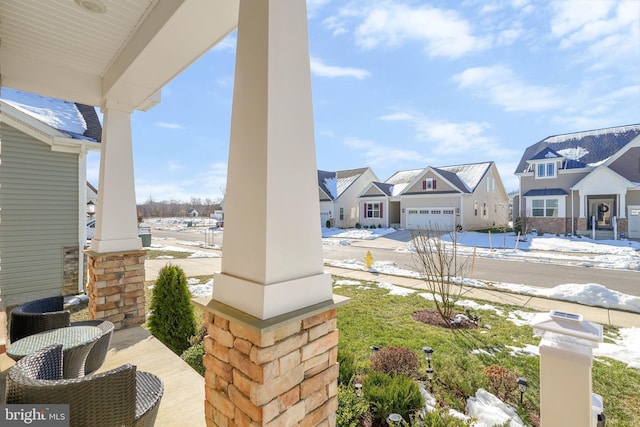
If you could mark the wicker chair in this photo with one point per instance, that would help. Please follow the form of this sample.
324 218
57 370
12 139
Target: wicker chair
96 356
38 316
119 397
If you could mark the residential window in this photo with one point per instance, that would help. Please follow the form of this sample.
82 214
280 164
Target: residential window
546 170
373 210
544 207
484 210
341 214
429 184
475 208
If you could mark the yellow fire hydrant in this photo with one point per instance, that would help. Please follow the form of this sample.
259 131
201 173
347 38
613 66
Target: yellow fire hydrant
368 259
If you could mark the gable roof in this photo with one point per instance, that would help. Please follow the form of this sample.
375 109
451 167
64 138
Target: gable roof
76 121
582 149
465 177
333 184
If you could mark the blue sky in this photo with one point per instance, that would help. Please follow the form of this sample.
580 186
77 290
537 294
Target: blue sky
408 84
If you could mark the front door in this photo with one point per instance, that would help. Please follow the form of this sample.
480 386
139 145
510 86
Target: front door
602 208
634 222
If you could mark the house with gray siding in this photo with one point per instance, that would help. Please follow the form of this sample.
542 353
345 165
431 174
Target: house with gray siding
585 183
468 196
43 191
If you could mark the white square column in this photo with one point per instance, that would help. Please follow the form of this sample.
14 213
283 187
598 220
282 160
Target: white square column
272 257
116 216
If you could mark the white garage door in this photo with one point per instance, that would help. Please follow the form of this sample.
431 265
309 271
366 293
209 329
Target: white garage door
430 218
634 222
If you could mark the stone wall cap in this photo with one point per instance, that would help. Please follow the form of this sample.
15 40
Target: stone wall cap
93 253
233 314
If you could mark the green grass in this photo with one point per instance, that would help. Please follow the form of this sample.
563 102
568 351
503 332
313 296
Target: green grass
373 317
154 254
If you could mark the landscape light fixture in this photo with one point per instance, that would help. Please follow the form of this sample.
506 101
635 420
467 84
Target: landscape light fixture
430 377
395 419
358 387
523 385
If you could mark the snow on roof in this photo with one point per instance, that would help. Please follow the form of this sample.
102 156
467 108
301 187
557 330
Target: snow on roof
470 174
401 179
331 185
61 115
346 178
588 148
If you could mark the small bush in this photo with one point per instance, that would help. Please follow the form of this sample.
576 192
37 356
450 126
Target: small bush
347 367
193 356
172 320
358 225
502 381
392 394
328 223
351 407
394 361
517 225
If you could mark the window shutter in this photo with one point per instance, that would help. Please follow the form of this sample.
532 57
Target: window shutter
365 210
433 184
424 184
381 205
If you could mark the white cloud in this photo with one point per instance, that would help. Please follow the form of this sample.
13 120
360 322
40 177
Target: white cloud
601 33
502 87
444 33
377 154
321 69
173 166
167 125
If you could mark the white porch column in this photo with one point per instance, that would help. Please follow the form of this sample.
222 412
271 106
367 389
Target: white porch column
116 218
272 261
622 205
583 202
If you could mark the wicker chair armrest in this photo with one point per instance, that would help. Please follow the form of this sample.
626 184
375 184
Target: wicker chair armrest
100 400
24 324
149 390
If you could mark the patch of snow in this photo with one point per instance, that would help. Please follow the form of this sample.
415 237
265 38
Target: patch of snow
396 290
356 233
575 153
489 411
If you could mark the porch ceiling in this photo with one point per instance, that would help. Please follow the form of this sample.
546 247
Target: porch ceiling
127 54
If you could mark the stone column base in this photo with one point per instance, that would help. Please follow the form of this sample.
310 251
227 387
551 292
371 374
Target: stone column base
276 372
116 287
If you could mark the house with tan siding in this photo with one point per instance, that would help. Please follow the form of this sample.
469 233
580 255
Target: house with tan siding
468 196
585 183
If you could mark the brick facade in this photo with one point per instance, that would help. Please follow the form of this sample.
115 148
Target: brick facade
284 375
116 287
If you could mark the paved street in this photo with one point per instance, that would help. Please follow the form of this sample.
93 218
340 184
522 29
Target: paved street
385 249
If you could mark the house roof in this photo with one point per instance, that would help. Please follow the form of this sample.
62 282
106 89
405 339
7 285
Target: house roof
333 184
75 120
581 149
546 192
465 177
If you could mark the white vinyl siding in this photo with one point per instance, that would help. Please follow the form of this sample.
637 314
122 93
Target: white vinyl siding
38 217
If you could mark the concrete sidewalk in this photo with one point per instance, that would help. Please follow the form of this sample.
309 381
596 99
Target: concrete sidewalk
209 266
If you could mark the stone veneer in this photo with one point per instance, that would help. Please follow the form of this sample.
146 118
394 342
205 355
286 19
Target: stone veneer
116 287
283 374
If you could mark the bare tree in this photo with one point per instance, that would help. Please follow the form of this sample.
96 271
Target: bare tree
440 266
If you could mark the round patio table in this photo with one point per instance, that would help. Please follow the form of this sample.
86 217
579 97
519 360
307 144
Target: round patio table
76 342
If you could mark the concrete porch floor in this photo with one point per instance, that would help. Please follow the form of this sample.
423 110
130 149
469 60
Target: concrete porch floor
183 400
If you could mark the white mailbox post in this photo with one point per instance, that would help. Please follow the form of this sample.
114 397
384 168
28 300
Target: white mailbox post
566 357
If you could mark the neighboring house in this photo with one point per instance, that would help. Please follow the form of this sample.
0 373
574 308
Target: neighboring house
581 183
43 188
469 196
193 212
339 193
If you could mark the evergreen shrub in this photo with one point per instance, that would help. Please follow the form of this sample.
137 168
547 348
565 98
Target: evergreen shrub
172 320
388 394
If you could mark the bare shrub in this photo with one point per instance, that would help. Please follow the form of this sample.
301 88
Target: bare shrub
394 361
502 381
440 266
